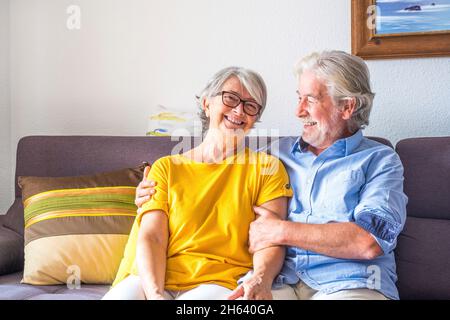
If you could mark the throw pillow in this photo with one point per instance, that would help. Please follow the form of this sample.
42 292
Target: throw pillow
76 228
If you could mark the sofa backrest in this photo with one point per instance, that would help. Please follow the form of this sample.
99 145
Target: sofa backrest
423 249
427 176
58 156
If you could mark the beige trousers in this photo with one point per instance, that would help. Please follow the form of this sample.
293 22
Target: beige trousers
301 291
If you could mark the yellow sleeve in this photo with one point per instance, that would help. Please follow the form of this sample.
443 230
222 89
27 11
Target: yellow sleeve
160 200
274 179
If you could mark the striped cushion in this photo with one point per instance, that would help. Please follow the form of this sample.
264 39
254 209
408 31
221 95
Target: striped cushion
76 228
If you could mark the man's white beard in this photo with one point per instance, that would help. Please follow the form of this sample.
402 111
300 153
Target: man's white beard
325 134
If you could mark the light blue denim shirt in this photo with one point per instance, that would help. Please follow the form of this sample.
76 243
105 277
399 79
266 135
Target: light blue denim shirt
354 180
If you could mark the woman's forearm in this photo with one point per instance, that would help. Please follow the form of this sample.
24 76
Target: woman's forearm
151 263
151 253
268 262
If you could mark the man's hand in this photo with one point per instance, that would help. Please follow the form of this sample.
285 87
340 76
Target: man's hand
145 190
252 289
264 230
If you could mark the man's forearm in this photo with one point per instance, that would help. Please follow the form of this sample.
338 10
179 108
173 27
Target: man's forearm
344 240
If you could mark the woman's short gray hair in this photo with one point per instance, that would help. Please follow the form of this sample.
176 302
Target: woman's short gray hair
251 80
346 76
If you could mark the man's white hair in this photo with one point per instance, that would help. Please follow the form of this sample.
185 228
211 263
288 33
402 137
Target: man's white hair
346 76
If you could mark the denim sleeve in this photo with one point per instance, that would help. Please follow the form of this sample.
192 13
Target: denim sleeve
382 206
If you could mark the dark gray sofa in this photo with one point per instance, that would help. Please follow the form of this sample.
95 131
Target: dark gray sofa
422 254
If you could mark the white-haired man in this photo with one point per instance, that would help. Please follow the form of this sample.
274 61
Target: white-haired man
348 206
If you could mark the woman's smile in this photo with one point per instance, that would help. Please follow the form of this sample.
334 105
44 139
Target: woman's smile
233 122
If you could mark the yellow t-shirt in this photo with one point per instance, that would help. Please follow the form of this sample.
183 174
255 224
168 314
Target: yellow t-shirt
209 207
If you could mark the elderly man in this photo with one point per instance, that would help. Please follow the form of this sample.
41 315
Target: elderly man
348 206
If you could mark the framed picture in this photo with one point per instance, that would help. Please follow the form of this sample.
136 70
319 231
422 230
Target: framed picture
383 29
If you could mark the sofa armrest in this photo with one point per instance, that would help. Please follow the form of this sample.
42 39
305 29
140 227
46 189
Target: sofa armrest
13 219
11 251
2 218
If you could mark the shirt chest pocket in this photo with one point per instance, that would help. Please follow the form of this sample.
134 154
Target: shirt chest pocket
342 191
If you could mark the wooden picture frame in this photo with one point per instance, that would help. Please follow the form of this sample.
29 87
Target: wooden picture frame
369 45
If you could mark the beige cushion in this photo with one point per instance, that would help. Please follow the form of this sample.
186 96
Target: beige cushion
76 228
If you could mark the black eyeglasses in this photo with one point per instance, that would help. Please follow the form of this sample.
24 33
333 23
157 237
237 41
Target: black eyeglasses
232 100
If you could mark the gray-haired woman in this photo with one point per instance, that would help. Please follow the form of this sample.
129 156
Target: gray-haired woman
190 240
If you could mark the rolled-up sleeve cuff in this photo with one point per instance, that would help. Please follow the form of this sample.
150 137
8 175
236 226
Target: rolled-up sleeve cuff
282 193
383 229
152 205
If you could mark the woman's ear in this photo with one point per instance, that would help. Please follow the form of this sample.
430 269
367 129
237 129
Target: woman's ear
348 107
205 106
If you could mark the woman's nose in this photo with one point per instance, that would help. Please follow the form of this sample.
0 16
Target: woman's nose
239 109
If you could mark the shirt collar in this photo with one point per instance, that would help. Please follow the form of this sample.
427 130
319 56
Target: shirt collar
352 142
348 145
299 146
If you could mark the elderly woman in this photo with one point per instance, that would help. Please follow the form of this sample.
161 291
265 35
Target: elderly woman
190 240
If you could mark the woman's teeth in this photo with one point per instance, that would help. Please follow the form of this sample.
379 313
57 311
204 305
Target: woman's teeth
238 123
310 123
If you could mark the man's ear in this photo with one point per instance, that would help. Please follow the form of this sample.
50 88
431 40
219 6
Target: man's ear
348 107
205 106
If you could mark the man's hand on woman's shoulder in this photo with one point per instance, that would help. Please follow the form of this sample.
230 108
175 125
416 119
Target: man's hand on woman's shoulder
145 189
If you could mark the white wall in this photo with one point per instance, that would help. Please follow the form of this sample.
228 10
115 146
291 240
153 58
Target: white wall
5 111
131 55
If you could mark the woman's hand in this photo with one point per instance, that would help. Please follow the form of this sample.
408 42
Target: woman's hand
145 189
254 288
156 296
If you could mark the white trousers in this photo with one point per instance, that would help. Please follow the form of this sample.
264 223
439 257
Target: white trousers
131 289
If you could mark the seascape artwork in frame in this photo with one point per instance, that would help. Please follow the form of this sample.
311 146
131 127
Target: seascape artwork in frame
384 29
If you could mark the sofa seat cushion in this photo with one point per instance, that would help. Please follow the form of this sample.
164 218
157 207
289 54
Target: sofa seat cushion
12 289
423 259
